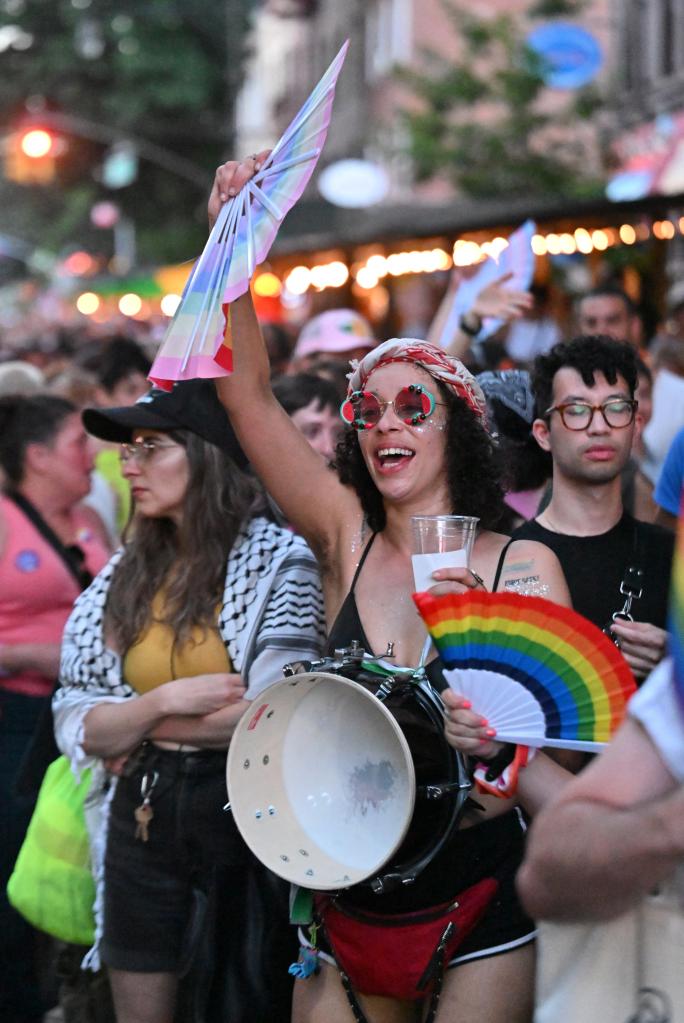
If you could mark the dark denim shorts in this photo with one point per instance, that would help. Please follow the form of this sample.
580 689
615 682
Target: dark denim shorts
154 889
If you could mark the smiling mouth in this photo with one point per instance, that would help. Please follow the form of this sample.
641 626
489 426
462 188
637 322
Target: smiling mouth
395 456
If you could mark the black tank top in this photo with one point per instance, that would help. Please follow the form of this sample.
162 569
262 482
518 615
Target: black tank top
440 881
348 625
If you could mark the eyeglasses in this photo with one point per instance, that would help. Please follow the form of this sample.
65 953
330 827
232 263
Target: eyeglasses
579 415
412 404
142 450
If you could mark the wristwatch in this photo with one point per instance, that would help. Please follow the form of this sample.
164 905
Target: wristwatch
470 323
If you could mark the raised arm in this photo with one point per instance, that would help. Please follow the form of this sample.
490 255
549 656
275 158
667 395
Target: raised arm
308 492
495 300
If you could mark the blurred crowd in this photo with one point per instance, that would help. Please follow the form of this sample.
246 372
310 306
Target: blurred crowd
66 501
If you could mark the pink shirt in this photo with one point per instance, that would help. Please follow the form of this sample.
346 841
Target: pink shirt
37 590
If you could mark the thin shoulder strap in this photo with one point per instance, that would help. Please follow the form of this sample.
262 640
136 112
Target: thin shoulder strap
500 564
361 561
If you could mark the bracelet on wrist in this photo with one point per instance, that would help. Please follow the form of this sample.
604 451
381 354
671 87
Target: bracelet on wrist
503 784
470 323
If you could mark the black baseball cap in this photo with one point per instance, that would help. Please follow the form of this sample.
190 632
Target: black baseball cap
191 405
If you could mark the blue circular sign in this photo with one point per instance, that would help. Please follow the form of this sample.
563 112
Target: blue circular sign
572 57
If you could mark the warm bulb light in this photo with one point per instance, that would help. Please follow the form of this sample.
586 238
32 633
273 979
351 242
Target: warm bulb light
169 304
298 280
130 304
366 279
88 303
267 285
627 234
538 244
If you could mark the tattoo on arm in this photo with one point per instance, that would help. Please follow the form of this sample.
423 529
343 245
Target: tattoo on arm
518 567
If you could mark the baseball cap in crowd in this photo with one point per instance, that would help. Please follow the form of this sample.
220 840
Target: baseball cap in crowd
191 405
338 330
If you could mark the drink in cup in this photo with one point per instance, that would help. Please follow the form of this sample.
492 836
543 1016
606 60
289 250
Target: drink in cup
440 541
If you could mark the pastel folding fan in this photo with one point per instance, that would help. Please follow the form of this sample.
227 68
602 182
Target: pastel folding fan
197 343
541 674
517 259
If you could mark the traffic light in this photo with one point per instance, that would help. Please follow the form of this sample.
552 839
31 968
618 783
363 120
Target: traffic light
30 156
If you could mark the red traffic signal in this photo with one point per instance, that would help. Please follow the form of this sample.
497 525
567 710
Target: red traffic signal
37 143
30 155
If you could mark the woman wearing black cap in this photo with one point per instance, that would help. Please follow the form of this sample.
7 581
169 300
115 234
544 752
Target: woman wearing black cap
189 621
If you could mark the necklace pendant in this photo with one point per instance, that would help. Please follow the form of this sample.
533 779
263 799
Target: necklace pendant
389 652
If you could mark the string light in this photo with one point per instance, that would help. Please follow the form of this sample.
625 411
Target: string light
267 285
130 304
88 303
553 244
366 279
600 239
298 280
538 244
467 253
169 304
366 274
664 230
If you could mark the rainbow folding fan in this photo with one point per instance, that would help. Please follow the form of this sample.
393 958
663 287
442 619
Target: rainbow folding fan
198 343
540 673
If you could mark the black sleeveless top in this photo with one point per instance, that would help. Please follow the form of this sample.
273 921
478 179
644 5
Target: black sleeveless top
348 625
470 854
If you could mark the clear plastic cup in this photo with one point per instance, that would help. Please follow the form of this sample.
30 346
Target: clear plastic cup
440 541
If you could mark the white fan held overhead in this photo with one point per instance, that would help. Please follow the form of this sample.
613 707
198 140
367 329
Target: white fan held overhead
197 343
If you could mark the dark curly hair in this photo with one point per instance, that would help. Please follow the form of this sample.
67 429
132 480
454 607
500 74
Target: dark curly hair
588 354
473 474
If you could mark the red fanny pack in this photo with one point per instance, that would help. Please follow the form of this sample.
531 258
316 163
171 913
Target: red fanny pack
401 956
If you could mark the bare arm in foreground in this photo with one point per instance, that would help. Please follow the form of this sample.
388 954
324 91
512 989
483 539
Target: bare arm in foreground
614 832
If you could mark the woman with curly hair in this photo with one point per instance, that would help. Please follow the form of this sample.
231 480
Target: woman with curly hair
416 444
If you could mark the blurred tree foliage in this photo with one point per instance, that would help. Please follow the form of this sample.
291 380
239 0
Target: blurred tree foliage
479 119
164 71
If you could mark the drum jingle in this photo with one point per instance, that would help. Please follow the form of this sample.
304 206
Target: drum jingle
340 774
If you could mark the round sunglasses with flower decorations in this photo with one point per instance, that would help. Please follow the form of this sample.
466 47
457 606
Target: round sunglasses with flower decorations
412 404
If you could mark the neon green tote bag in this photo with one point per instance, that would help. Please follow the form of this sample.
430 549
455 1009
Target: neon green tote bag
52 885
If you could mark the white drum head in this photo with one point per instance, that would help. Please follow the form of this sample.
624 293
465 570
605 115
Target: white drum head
320 781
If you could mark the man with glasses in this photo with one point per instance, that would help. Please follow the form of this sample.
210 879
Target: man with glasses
617 568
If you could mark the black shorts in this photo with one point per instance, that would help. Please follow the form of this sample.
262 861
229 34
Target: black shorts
495 849
153 890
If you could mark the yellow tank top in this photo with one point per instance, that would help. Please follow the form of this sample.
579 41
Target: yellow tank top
154 660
